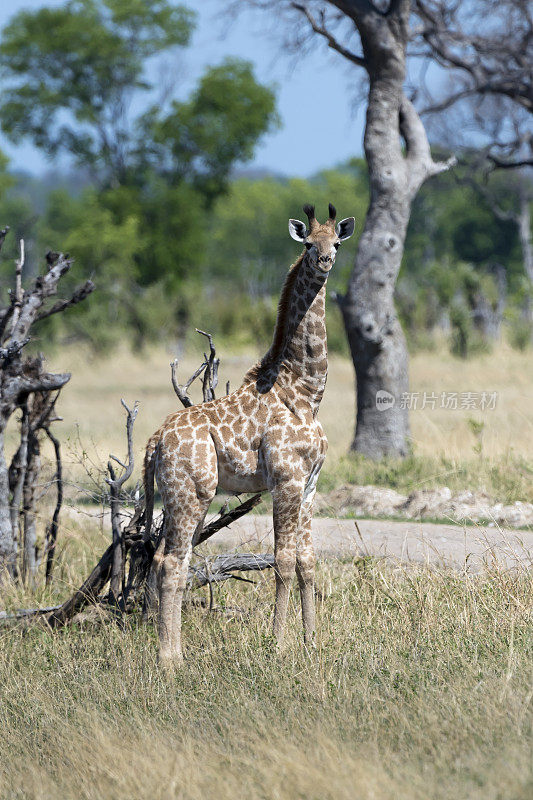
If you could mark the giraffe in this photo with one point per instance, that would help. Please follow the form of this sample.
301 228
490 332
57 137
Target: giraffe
263 436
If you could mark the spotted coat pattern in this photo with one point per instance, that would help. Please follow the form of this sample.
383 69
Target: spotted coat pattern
263 436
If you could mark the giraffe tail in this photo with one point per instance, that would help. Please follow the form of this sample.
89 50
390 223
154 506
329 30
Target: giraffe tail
148 480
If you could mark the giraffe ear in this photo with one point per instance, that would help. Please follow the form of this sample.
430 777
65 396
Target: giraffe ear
297 230
345 228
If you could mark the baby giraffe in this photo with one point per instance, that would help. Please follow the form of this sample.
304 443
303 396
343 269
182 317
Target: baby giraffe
264 436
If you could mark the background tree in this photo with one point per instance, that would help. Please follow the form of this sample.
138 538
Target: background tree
374 36
486 47
81 80
486 103
70 74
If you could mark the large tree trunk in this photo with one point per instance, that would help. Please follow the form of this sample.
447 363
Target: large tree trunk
375 336
377 343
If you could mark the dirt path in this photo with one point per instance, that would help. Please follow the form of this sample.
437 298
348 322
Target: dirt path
422 542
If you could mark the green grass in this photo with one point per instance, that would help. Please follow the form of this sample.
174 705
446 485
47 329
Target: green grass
507 478
420 687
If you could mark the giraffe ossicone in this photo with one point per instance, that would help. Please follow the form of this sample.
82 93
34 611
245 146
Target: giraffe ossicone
263 436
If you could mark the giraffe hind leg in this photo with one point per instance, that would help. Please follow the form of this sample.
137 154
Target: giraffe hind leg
182 518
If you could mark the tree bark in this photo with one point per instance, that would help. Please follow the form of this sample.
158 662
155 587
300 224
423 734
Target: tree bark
377 343
8 544
31 477
524 233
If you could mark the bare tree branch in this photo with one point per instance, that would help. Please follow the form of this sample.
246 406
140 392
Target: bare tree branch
16 297
77 296
226 519
222 568
53 528
209 368
44 286
3 234
503 164
182 390
420 164
320 28
487 49
210 379
87 593
115 485
25 384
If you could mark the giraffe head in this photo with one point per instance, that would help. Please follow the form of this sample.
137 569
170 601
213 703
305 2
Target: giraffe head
321 241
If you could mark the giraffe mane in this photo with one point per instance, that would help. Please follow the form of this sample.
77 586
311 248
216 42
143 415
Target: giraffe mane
281 320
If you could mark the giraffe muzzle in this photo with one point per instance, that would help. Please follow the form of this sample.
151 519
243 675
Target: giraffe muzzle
324 263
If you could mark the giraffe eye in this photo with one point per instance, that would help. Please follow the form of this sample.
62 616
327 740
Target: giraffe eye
308 245
336 245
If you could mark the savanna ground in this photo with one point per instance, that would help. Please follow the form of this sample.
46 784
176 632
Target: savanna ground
422 681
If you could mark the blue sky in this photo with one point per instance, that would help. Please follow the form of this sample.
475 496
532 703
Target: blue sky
311 136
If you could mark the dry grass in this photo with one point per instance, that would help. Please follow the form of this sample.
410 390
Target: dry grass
443 440
92 399
420 688
508 429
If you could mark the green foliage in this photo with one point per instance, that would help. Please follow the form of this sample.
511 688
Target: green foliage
520 330
69 71
6 180
171 219
451 222
457 292
103 250
17 213
200 139
227 263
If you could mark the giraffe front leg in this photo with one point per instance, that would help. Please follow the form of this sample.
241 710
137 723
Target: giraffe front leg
287 502
305 568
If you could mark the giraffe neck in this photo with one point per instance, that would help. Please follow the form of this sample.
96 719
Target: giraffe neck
298 354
